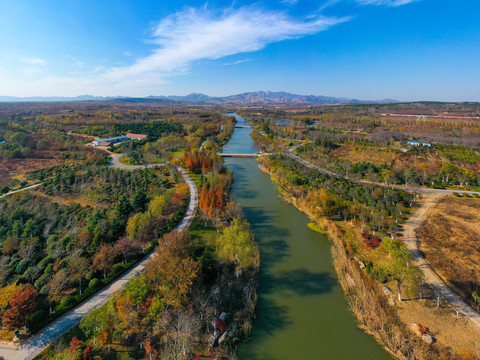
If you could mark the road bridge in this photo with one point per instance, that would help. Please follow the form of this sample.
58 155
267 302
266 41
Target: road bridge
241 155
254 155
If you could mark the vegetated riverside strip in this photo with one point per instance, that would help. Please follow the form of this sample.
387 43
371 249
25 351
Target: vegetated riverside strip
334 206
31 347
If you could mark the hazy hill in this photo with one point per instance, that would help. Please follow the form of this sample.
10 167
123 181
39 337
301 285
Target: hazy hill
270 97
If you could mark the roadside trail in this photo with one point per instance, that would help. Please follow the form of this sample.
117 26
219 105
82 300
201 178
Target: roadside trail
412 242
22 189
33 346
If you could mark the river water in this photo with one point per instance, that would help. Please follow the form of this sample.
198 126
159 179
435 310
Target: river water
301 311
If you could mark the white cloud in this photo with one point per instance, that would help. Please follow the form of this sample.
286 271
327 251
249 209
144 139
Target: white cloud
33 66
34 61
28 71
179 41
192 35
236 62
386 2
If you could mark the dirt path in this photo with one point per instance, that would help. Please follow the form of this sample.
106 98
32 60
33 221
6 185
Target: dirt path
412 242
33 346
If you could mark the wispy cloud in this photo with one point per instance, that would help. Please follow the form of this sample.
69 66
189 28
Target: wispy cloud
192 35
386 2
33 66
290 2
34 61
236 62
77 63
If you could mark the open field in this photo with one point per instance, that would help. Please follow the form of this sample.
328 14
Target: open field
450 239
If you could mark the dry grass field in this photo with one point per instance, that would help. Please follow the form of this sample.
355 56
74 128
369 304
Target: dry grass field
354 153
450 239
21 166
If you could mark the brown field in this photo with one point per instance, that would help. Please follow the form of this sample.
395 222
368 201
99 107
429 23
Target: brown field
21 166
451 242
454 333
354 153
70 199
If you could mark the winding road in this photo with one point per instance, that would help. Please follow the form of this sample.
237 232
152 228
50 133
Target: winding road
33 346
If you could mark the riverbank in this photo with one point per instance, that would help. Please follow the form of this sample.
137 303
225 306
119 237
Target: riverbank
365 296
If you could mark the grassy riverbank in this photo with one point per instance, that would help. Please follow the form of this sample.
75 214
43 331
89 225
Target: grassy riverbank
366 296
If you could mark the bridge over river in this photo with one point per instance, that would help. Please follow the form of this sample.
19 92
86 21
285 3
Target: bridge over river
237 155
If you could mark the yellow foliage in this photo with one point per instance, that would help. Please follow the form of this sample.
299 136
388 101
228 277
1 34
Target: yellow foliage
6 294
157 205
136 224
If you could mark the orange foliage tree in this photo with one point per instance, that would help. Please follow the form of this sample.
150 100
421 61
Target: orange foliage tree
173 270
213 199
23 304
197 161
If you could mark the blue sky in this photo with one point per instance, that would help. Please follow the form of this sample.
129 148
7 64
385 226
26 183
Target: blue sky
364 49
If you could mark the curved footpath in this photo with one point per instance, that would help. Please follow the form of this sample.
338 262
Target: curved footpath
22 189
410 238
33 346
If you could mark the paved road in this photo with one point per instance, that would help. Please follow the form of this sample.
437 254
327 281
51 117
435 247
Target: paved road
412 242
366 182
32 347
22 189
115 162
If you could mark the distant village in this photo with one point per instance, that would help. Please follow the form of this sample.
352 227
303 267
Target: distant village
116 140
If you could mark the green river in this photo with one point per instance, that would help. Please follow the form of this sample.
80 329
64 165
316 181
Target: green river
301 311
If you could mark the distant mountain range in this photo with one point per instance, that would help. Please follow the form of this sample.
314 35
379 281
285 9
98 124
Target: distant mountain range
258 97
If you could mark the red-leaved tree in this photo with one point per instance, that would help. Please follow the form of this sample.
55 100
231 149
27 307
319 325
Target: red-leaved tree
22 305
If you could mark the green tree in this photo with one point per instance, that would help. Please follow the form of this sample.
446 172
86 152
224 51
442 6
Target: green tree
236 245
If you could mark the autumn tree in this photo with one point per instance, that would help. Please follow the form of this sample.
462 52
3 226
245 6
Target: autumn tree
173 270
180 329
58 284
126 248
7 293
22 305
104 259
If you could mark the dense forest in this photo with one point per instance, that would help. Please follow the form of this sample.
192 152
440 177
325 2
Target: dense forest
80 231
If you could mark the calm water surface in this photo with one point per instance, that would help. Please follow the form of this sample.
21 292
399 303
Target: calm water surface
301 312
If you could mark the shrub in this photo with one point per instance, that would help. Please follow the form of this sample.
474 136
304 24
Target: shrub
94 283
117 269
44 262
68 301
35 321
23 265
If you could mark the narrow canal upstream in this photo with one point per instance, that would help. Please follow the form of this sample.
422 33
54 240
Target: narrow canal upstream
301 311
